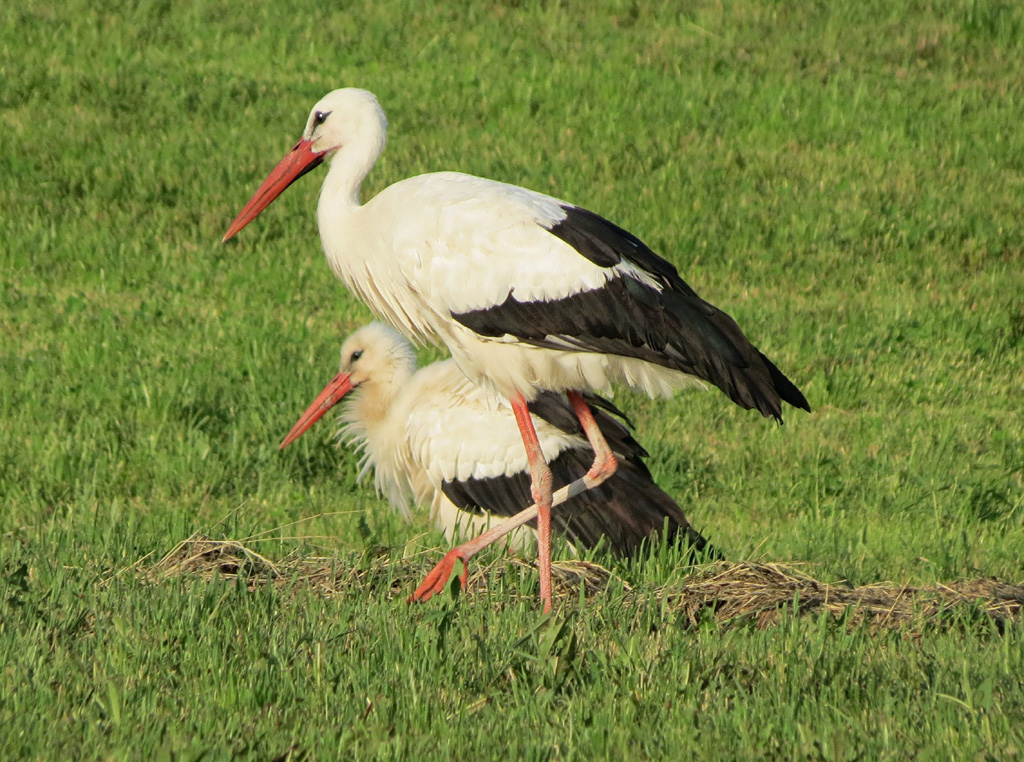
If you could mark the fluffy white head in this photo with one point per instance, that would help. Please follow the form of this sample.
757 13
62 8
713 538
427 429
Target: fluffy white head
381 363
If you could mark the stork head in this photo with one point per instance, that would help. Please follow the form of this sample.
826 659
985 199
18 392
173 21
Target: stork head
376 362
344 117
348 121
377 355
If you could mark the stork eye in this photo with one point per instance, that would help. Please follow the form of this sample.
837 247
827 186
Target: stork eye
320 117
355 355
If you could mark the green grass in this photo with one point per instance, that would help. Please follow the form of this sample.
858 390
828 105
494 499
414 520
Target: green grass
846 181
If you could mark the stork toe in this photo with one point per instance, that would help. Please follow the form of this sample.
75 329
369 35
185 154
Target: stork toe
438 577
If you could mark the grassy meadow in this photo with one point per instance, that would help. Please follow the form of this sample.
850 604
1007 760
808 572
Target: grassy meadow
846 180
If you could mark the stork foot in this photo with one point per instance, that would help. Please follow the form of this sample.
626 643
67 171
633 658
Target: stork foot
438 577
601 471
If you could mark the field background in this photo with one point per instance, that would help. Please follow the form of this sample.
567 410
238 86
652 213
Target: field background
846 181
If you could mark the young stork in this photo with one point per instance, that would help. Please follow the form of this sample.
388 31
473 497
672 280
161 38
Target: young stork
529 293
433 438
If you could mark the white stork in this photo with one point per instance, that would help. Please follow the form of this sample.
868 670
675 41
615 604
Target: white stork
433 438
528 292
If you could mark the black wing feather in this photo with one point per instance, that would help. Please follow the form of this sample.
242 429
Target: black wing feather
626 510
669 326
553 408
623 512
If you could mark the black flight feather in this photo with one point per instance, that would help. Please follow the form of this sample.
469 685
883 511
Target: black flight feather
667 324
624 511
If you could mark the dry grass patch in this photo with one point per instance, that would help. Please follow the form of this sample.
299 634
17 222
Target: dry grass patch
728 592
744 590
367 573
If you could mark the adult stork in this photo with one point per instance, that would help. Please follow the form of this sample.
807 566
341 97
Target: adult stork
528 292
435 439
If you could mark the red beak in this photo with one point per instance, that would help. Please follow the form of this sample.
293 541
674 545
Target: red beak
332 394
300 160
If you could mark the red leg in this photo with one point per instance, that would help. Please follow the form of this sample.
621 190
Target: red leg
541 488
604 460
440 574
604 466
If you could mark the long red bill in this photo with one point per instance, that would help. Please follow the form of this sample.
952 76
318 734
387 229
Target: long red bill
332 394
298 161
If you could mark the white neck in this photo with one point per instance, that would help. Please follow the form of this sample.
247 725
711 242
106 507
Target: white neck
348 167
